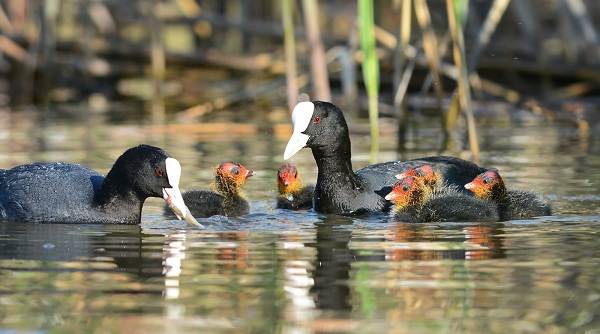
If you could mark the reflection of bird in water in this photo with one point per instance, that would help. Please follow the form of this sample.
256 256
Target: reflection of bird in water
332 264
485 236
484 239
235 254
173 255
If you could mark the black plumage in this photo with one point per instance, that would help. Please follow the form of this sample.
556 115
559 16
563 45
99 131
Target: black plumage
70 193
340 190
512 204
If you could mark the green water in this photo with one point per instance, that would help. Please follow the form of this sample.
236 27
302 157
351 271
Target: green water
301 272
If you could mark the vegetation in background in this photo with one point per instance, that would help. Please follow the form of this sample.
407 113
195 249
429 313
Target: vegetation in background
290 53
370 69
183 59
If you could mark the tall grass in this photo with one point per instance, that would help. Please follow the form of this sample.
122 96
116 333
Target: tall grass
370 69
290 53
457 10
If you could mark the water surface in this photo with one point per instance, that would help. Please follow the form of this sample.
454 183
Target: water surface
301 272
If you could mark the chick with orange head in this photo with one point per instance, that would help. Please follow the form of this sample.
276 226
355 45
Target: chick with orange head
293 194
415 202
226 199
425 172
512 204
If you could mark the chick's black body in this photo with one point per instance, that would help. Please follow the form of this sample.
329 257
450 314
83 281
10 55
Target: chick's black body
447 204
298 200
70 193
512 204
226 200
205 203
340 190
519 204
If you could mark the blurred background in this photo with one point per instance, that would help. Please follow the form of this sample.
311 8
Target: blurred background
188 63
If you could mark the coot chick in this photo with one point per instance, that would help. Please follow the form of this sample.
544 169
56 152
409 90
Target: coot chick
415 202
425 172
69 193
321 126
293 195
226 199
512 204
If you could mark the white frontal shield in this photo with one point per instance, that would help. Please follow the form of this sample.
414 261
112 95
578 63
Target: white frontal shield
301 117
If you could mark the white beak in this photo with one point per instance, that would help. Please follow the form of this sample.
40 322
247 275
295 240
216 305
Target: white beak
173 195
175 202
390 196
400 176
469 185
301 117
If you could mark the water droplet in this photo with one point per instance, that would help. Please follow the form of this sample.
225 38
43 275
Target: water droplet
48 245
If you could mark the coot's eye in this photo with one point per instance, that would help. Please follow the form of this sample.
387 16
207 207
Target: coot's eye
235 170
158 172
317 120
405 187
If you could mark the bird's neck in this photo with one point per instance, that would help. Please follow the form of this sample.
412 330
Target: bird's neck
500 196
293 188
119 201
227 188
335 175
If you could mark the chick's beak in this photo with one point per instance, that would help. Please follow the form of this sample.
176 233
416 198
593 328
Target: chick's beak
391 196
470 186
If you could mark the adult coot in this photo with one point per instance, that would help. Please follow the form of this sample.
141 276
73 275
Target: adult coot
69 193
293 195
227 199
512 204
416 202
322 127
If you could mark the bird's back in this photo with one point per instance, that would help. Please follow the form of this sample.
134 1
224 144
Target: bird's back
454 171
204 203
47 192
524 204
448 204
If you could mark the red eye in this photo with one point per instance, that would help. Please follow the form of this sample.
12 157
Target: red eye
158 172
317 120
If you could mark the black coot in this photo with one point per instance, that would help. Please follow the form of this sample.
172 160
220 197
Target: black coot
227 199
69 193
416 202
512 204
293 194
322 127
